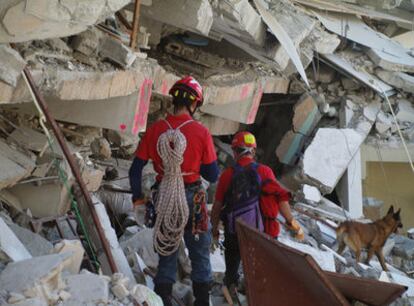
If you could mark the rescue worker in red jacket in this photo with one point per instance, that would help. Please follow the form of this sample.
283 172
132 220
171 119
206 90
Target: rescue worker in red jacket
199 158
273 198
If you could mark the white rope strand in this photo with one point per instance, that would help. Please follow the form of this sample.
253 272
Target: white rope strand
171 203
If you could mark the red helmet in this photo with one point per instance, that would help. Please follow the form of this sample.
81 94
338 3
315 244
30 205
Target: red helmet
244 140
188 85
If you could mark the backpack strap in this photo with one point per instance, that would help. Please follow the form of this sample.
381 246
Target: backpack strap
178 127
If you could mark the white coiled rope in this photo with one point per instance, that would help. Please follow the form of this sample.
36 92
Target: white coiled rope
171 202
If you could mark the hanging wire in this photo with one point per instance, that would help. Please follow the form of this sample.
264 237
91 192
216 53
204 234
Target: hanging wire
63 177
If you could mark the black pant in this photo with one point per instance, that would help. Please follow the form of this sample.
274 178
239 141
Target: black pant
232 258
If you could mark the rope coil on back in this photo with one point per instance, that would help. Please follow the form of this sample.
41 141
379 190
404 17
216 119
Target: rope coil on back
171 203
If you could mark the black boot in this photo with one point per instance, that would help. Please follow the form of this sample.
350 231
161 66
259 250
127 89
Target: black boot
201 293
165 292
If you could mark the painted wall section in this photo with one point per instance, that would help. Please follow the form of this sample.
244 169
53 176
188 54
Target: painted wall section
401 186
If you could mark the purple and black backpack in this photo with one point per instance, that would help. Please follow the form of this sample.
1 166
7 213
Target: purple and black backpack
242 198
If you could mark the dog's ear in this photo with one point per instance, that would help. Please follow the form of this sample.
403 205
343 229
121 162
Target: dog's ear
397 214
390 210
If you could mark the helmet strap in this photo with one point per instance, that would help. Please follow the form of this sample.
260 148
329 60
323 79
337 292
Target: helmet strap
244 151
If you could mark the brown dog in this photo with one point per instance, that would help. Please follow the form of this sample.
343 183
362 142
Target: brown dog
370 236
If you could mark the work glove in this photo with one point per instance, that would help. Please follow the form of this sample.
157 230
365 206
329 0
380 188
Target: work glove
297 230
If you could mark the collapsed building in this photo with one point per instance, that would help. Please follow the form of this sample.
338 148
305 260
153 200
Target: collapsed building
326 86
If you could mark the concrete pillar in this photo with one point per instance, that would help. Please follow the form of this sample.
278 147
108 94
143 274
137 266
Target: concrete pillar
349 188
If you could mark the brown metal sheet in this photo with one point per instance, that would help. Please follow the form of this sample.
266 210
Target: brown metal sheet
369 291
279 275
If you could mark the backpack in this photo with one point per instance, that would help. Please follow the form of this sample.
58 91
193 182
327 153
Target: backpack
242 198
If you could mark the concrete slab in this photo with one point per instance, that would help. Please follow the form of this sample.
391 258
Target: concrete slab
200 11
240 20
48 19
405 111
86 289
77 251
219 126
11 245
34 277
30 302
116 52
34 243
306 117
14 165
287 41
142 243
312 193
49 199
11 65
324 259
406 39
326 166
383 51
397 79
340 62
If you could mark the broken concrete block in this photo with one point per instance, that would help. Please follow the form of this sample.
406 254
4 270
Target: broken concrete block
86 289
384 52
87 42
116 52
405 111
34 243
311 193
36 141
15 298
14 165
384 122
34 197
92 178
349 84
306 114
142 244
27 20
36 277
200 11
11 245
29 302
403 280
398 79
410 233
306 117
77 251
325 259
101 148
58 44
325 74
404 247
143 294
388 247
11 65
120 291
219 126
328 156
240 20
297 25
